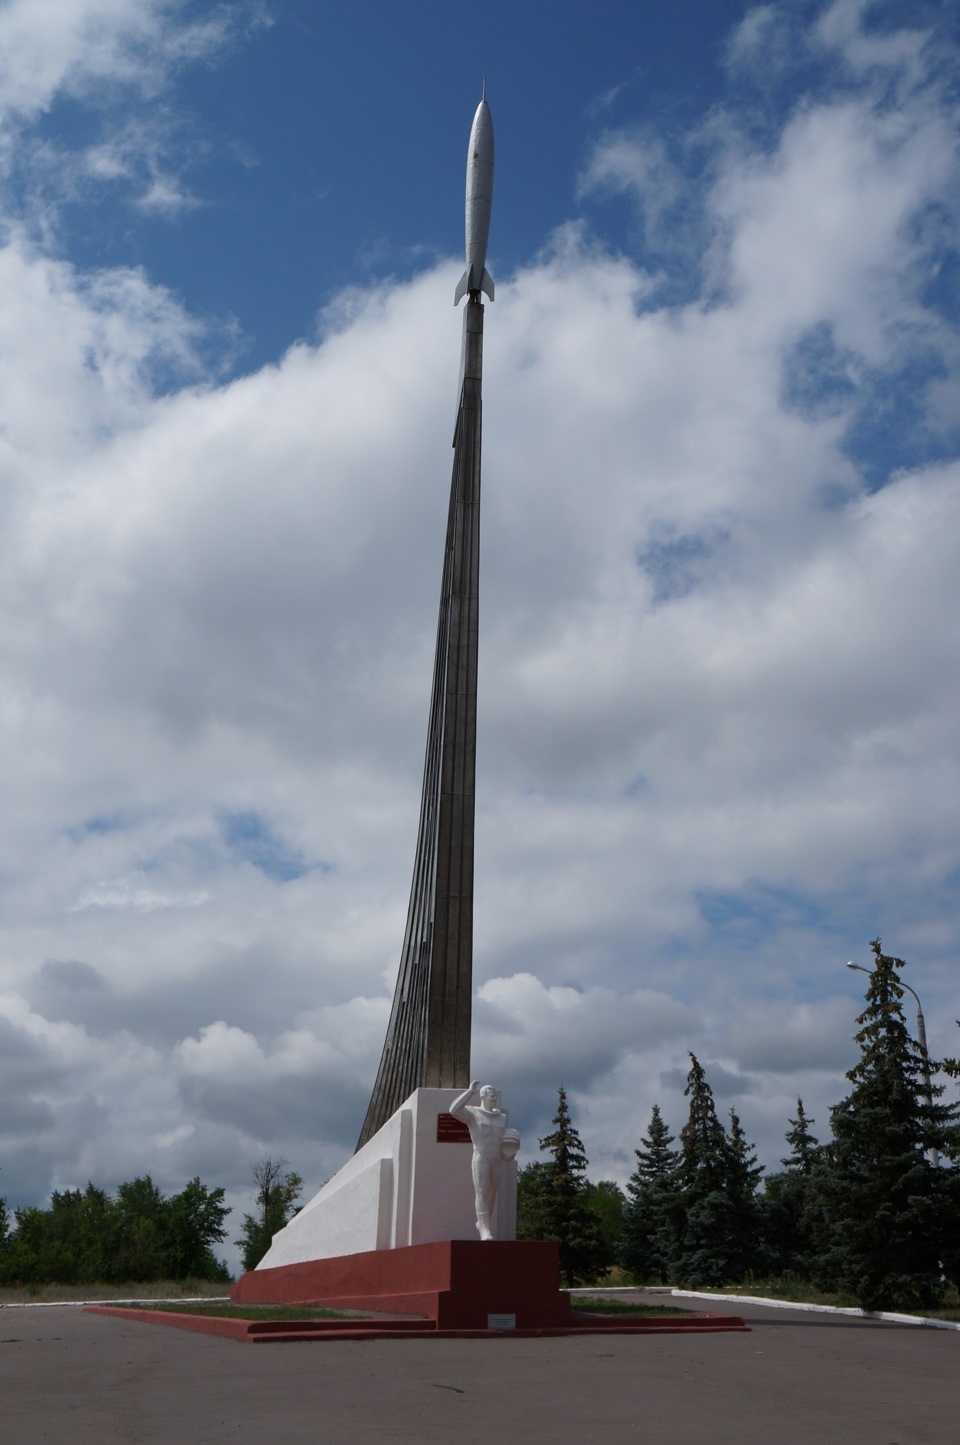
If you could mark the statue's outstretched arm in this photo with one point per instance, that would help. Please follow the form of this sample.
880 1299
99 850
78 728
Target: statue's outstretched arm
458 1104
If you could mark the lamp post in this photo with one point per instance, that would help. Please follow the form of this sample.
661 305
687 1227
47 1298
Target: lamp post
922 1041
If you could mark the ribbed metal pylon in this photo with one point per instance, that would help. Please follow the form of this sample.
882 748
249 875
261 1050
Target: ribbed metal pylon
428 1037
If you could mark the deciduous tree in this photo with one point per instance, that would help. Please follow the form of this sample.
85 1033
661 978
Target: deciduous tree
89 1236
278 1190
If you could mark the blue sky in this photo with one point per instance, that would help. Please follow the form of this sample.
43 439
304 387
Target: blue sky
719 681
321 146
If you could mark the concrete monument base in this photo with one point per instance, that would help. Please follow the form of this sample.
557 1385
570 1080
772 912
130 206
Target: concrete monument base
456 1283
396 1230
410 1184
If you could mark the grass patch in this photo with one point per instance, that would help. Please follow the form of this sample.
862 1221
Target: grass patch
796 1291
583 1304
250 1312
295 1312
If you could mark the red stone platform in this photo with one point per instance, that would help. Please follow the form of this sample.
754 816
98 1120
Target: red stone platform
460 1288
278 1332
456 1284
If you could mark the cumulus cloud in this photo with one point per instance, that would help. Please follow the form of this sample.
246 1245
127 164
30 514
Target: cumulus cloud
719 682
116 58
523 1027
78 46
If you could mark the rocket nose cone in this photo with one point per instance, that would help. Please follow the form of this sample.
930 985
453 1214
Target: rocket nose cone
481 133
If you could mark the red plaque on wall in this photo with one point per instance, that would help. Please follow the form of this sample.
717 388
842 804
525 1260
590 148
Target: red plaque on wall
451 1130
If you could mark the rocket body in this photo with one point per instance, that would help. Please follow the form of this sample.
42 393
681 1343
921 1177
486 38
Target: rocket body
479 199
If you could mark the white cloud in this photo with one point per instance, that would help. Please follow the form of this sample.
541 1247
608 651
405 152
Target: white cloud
536 1034
639 165
842 28
129 893
78 45
116 57
824 230
763 41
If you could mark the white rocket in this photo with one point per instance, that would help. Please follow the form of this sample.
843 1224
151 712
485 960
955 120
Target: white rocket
476 277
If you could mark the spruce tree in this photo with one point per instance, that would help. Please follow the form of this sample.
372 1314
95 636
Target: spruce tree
743 1175
718 1177
554 1204
892 1218
952 1066
702 1143
802 1158
790 1201
707 1233
651 1219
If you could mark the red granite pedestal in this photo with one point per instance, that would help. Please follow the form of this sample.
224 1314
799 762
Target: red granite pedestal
457 1283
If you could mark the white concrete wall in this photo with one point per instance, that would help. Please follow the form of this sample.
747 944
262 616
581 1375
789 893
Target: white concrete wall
401 1188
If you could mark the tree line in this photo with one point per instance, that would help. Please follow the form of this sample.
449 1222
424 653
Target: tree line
873 1212
89 1236
136 1235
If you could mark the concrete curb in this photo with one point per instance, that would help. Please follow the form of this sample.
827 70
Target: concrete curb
80 1304
783 1304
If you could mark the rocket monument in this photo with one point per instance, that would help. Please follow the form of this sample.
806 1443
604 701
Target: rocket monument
428 1036
396 1227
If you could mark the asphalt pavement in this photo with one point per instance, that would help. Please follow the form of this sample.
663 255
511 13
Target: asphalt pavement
69 1378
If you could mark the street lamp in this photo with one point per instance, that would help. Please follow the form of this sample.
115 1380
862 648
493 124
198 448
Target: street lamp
922 1040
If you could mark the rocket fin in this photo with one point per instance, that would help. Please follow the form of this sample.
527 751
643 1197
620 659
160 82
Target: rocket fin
462 288
486 283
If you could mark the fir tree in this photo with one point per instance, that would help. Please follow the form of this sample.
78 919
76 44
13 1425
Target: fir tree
706 1236
702 1142
952 1066
743 1175
790 1200
803 1145
651 1219
718 1177
555 1204
892 1217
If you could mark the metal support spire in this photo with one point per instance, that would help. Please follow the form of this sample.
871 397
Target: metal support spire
428 1037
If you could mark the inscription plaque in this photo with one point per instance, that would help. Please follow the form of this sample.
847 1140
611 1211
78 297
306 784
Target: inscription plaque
451 1130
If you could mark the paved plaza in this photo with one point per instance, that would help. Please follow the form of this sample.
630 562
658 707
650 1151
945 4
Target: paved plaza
68 1378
